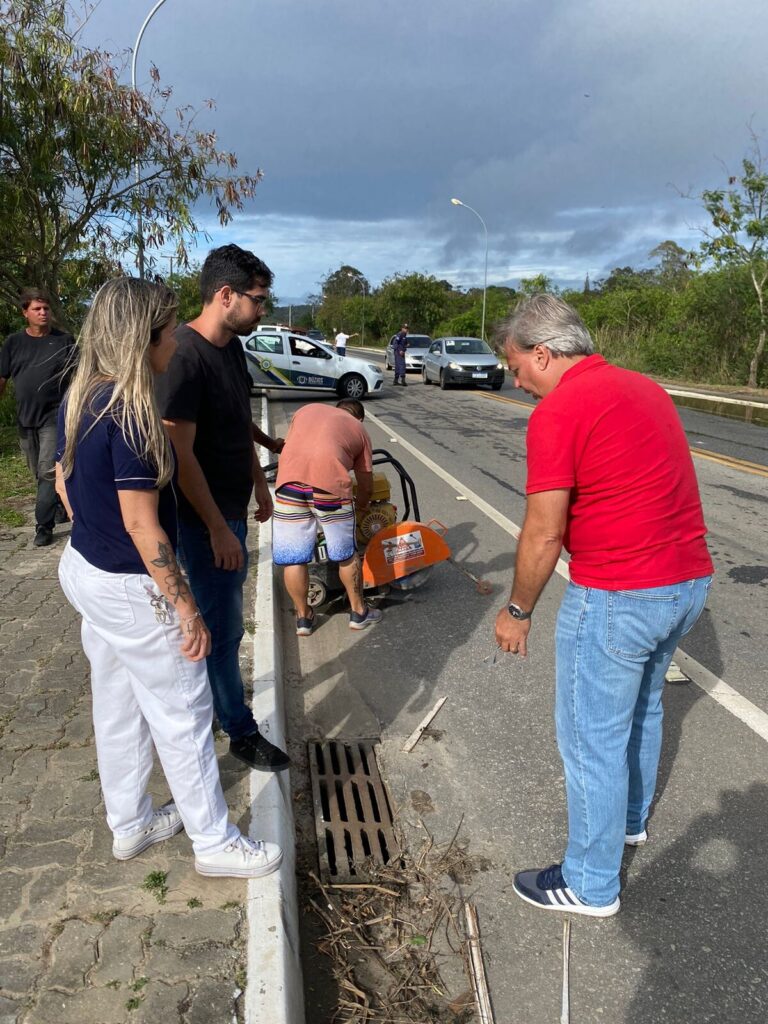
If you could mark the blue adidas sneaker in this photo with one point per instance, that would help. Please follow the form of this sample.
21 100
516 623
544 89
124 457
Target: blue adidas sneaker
547 890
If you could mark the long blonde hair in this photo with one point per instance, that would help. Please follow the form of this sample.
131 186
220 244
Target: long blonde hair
125 317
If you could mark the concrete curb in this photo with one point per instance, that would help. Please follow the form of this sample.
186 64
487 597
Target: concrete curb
274 993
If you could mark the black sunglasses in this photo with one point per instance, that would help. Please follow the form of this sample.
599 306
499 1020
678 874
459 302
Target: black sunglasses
257 300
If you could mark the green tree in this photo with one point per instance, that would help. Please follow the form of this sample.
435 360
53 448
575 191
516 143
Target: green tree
187 288
344 282
70 137
539 283
673 271
418 299
738 236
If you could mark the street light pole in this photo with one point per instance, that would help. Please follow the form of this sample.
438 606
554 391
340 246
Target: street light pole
458 202
136 168
361 282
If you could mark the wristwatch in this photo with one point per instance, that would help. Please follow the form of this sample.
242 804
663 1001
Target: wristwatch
517 612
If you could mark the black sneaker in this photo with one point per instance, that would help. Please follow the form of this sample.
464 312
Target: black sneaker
257 752
43 537
304 626
547 890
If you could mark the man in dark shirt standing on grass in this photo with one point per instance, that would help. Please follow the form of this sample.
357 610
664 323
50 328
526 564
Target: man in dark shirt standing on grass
204 398
39 360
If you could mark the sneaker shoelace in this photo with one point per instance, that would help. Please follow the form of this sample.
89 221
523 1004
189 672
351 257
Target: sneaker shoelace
248 847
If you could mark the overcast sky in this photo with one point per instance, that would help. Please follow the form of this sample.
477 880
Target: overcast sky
569 125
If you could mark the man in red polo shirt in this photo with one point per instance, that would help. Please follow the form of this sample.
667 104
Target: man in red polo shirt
611 479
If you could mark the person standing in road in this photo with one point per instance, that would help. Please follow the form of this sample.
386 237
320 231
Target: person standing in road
399 347
40 360
314 488
611 478
205 401
340 342
142 631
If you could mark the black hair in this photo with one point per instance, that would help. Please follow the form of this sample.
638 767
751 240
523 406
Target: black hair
233 266
30 295
352 406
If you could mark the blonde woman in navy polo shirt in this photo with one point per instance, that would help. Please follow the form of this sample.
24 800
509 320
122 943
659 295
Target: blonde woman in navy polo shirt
142 631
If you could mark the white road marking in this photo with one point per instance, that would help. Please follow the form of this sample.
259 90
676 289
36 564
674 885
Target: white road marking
747 712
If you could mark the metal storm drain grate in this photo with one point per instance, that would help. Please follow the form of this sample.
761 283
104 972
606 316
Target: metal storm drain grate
352 813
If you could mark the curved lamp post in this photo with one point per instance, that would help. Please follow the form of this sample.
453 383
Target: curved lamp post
361 282
137 169
458 202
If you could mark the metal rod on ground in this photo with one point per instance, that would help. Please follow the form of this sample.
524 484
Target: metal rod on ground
479 980
483 586
565 1006
418 732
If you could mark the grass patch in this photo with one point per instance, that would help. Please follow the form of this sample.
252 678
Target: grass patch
113 984
133 1003
92 776
156 882
17 488
105 916
249 626
139 984
194 903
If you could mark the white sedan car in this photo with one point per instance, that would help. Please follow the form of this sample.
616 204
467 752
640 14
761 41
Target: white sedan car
281 359
414 354
462 361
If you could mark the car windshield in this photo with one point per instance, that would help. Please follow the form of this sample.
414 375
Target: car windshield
467 347
419 341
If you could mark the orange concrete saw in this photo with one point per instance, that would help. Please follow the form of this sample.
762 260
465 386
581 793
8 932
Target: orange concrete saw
396 554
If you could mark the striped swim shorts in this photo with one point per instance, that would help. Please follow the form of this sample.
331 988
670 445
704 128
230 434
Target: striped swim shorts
299 509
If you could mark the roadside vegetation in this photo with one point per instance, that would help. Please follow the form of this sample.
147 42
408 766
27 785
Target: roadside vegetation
17 489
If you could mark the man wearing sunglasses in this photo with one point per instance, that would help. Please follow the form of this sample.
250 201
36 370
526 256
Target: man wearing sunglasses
204 398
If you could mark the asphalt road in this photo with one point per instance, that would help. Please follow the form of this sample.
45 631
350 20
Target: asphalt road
688 943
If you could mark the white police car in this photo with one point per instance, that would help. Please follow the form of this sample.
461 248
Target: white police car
282 359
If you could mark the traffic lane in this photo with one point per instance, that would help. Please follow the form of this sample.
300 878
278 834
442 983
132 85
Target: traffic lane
482 442
729 638
492 760
704 430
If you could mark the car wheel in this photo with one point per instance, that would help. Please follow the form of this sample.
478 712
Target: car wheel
424 378
497 385
443 381
352 386
317 593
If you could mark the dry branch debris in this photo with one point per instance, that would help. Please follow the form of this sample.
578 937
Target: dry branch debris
392 939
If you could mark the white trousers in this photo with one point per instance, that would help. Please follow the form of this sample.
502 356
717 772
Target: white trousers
145 691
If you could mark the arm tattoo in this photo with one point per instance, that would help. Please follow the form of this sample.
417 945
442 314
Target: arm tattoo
177 586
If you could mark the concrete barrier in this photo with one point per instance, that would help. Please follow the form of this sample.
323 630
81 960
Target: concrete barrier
274 992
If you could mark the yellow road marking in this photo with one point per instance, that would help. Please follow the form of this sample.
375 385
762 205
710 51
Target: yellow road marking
730 461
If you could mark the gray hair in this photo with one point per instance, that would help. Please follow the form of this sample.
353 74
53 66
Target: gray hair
546 320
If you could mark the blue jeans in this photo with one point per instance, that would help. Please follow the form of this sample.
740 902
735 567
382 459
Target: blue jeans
219 595
613 651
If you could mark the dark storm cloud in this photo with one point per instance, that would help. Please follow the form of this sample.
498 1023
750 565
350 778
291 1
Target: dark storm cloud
367 118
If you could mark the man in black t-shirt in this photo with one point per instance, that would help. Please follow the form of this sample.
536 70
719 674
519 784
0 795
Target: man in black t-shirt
204 398
40 360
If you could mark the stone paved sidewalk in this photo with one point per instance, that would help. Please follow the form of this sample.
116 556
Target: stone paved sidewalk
82 941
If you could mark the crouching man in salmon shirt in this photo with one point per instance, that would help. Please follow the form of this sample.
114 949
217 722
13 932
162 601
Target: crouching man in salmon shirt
314 488
611 479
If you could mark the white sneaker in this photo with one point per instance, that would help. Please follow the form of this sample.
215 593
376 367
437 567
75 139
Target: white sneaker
166 822
638 839
243 858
